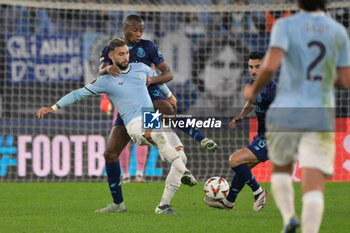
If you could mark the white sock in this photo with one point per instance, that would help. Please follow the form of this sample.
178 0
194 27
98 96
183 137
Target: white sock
259 190
311 215
283 193
139 173
172 182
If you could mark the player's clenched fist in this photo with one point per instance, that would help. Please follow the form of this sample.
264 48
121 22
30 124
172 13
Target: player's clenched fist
43 111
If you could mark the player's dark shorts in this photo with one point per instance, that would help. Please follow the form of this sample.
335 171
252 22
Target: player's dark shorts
155 94
258 147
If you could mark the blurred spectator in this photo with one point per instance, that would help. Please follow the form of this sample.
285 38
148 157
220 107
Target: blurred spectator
23 20
342 15
265 20
32 20
193 27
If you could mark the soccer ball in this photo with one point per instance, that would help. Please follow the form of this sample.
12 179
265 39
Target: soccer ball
216 188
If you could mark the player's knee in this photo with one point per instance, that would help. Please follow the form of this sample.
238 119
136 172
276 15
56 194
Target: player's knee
168 112
158 138
110 156
233 161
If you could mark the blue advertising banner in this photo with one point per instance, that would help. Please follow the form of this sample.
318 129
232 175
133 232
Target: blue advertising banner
34 58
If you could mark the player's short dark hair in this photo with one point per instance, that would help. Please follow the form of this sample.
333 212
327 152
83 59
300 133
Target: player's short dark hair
256 55
135 18
312 5
115 43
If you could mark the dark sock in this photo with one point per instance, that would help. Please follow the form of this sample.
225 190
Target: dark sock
236 186
246 175
113 175
193 132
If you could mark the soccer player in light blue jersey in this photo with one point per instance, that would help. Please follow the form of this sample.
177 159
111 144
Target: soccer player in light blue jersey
130 95
313 49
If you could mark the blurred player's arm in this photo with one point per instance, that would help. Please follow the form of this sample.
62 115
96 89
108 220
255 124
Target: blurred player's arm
342 79
272 61
247 108
106 105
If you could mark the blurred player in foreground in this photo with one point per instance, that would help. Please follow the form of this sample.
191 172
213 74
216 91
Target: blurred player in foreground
313 48
130 95
245 159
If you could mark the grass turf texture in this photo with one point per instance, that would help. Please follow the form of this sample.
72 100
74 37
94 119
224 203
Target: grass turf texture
69 207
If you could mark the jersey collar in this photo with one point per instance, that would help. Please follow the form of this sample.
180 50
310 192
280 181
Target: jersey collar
126 70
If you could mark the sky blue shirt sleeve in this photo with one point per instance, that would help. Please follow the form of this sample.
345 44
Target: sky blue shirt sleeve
344 53
73 97
95 87
279 37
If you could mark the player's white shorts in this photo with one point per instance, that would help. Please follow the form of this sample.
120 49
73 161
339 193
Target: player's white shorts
136 132
313 149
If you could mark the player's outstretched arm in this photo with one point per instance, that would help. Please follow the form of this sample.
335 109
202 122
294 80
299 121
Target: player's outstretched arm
68 99
248 107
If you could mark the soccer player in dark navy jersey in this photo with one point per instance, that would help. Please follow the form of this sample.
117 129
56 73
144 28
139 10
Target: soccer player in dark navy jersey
245 159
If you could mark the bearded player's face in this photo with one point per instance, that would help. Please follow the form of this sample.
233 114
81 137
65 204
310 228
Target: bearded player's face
120 57
133 32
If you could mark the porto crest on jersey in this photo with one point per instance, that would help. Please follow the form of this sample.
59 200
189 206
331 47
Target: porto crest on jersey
141 53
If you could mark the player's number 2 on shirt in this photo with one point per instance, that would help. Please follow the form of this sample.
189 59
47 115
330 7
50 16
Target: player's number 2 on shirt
322 52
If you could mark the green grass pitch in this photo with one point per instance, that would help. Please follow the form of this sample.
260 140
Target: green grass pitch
69 207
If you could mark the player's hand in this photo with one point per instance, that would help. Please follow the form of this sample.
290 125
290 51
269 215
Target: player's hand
106 105
113 70
234 122
173 101
248 93
43 111
149 81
